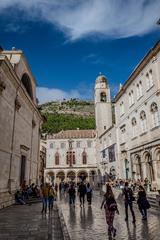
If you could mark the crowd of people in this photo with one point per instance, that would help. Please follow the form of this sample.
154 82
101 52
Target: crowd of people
25 193
48 194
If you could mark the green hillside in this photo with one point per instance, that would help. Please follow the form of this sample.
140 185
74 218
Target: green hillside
71 114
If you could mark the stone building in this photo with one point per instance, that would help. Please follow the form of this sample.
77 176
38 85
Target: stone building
20 122
137 108
71 156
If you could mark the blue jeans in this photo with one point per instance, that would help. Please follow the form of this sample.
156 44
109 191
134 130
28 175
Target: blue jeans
45 202
50 203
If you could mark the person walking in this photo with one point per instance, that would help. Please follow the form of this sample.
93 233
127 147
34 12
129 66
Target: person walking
51 197
82 193
89 194
44 196
142 202
110 207
128 201
72 194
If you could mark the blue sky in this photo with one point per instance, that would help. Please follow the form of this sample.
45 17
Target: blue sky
68 42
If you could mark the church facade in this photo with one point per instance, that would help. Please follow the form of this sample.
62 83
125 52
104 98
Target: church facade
71 156
20 122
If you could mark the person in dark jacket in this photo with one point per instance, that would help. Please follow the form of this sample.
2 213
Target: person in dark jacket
72 194
82 192
128 201
89 194
142 202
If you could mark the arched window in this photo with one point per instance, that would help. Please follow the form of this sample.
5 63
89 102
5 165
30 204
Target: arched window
51 145
57 158
134 127
70 158
143 121
84 158
151 77
73 157
155 114
103 97
138 91
27 84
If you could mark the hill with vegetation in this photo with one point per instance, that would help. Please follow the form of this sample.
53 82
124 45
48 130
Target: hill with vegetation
68 114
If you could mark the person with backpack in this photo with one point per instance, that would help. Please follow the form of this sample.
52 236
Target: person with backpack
142 202
72 194
110 207
51 197
89 194
128 201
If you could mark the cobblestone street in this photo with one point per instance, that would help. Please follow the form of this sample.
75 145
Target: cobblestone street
89 222
27 223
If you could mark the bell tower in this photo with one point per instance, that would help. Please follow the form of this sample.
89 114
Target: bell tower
103 105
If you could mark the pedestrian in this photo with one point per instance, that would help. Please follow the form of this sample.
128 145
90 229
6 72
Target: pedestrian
72 194
110 207
142 202
44 196
128 201
82 193
89 194
51 197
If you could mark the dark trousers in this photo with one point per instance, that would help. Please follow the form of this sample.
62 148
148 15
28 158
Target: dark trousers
71 199
45 202
82 198
89 197
143 212
130 204
50 203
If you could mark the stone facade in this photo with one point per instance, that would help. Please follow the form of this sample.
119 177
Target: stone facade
71 156
20 122
137 111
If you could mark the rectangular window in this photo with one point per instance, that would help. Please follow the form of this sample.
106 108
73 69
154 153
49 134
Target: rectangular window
89 144
62 145
78 144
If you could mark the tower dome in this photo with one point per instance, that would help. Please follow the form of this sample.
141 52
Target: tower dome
101 79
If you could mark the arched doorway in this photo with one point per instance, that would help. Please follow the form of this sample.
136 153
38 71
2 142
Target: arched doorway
149 167
71 176
82 175
138 174
60 176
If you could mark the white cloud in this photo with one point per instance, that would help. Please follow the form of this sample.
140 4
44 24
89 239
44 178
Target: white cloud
81 18
45 94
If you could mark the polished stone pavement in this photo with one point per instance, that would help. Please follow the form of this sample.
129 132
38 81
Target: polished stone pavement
89 222
26 222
